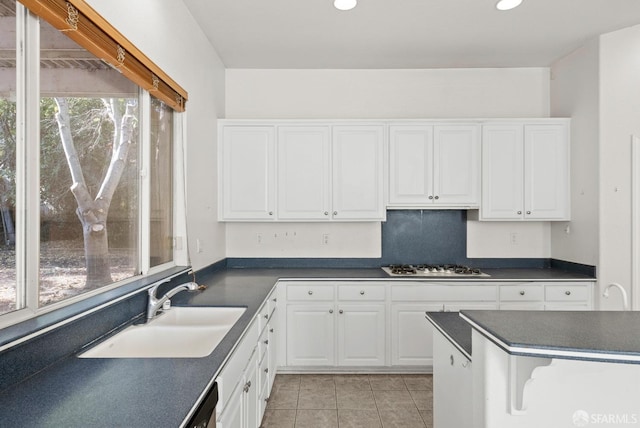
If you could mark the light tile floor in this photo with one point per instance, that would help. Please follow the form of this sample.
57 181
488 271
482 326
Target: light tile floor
350 401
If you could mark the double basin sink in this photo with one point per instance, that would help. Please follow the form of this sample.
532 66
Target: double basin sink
180 332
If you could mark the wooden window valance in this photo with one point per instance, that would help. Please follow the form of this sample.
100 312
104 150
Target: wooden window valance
91 31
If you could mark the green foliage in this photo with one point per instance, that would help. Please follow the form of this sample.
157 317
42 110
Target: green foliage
92 132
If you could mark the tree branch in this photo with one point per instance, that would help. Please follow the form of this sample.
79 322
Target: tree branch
117 165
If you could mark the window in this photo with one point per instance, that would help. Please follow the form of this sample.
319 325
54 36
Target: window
8 295
86 178
161 172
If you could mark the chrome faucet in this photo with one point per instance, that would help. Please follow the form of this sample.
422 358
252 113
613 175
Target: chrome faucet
154 304
625 298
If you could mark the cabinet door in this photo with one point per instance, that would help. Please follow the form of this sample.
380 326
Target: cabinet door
546 172
452 385
411 334
502 172
310 335
411 165
358 173
303 172
232 414
361 335
248 173
456 167
251 395
272 349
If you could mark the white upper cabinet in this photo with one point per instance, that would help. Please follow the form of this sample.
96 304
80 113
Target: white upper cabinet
525 173
248 173
358 172
434 166
546 172
301 172
304 173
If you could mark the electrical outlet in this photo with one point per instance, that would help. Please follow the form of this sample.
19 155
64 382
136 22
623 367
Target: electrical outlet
325 239
513 238
259 238
199 248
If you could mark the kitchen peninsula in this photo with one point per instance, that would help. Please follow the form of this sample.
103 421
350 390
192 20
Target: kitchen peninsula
553 368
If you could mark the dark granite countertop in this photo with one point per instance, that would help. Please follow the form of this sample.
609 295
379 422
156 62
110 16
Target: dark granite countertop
162 392
454 328
609 336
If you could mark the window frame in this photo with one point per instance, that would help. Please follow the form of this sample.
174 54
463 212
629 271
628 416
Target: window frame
27 221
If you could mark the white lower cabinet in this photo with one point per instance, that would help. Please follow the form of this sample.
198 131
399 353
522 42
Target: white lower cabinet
410 333
361 338
452 378
310 334
245 381
332 324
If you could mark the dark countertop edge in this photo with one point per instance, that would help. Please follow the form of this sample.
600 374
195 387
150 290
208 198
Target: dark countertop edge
442 329
553 351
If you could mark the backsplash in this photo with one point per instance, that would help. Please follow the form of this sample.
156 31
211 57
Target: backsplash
424 236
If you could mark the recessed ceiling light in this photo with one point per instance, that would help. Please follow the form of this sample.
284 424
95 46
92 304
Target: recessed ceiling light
508 4
345 4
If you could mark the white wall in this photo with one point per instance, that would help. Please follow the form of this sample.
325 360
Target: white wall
619 120
599 86
575 93
349 94
188 57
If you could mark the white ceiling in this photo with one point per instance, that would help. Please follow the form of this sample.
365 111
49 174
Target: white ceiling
404 33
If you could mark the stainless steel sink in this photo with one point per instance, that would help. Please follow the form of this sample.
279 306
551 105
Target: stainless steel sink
181 332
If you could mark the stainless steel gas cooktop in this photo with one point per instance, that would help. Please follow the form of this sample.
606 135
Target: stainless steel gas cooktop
442 271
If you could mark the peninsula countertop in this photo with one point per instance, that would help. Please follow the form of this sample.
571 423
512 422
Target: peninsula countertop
604 336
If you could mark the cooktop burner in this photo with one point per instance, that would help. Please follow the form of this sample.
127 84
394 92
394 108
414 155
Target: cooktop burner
434 271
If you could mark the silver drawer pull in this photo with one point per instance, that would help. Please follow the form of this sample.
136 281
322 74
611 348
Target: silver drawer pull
341 311
310 292
330 311
266 370
266 316
451 359
362 292
270 330
522 293
266 342
568 293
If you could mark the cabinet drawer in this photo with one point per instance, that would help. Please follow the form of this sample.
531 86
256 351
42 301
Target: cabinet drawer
567 293
521 293
310 292
361 292
443 293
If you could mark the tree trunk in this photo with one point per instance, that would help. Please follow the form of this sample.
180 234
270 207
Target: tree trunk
91 212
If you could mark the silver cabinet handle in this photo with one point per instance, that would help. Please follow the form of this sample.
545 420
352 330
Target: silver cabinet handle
341 311
275 299
430 197
266 316
522 293
270 212
437 197
451 359
362 292
266 342
270 330
519 212
335 213
330 311
266 370
310 292
528 212
326 213
568 293
247 386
